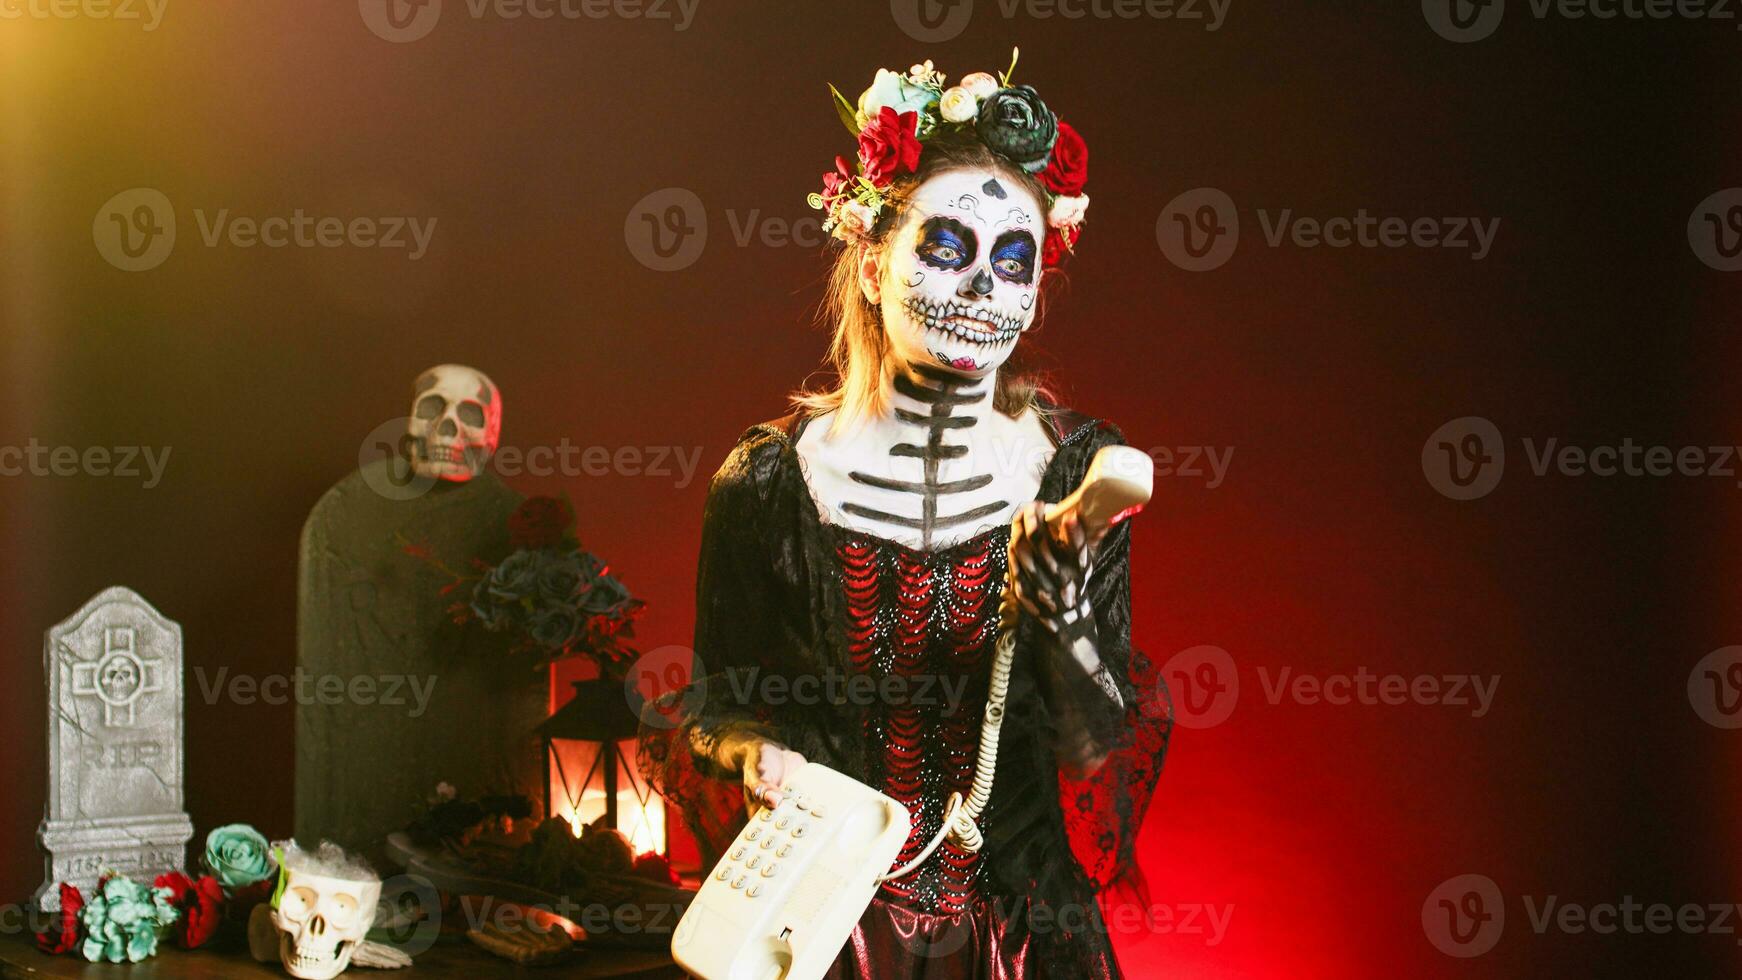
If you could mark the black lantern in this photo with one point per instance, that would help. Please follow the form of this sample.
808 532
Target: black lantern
598 716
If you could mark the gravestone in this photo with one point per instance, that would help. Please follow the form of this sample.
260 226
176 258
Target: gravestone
368 609
115 749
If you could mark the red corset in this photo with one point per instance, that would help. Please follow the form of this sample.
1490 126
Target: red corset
927 623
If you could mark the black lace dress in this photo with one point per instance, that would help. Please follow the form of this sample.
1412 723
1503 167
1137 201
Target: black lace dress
783 597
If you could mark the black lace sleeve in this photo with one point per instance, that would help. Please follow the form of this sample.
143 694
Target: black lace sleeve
761 628
1103 811
738 635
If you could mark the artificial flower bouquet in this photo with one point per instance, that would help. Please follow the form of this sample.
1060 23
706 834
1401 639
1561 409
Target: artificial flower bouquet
894 119
558 599
122 920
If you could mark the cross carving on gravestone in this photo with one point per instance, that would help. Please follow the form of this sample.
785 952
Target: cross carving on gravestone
119 678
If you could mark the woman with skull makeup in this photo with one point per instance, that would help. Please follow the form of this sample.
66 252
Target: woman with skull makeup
869 533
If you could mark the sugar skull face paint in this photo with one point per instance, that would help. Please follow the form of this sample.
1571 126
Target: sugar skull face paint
961 272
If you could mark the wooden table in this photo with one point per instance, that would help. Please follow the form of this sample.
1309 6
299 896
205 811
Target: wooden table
20 960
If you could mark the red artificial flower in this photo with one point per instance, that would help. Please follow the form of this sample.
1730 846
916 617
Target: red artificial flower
541 522
654 867
1059 244
838 182
63 936
888 147
1069 169
201 904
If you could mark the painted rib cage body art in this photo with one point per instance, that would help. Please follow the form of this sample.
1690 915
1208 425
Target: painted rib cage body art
943 393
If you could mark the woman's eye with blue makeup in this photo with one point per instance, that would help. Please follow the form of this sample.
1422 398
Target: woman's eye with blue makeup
1013 257
945 244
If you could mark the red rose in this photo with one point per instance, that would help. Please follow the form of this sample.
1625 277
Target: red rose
1069 169
541 522
63 936
888 147
201 904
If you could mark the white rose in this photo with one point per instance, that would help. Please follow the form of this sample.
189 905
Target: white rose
1067 211
854 220
958 105
980 84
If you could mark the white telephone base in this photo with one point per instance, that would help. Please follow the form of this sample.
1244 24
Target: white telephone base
782 902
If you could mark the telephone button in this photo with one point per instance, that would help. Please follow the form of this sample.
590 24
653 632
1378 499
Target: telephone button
766 815
738 882
785 849
817 811
766 844
738 854
782 822
801 830
724 872
753 891
753 833
755 859
768 872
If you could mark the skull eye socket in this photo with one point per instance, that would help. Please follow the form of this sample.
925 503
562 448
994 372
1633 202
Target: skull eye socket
431 407
472 414
296 903
341 910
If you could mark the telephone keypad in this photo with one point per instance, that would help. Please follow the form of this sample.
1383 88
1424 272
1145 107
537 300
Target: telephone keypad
792 820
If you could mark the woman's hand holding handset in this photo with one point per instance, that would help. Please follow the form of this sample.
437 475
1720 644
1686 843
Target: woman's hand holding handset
766 766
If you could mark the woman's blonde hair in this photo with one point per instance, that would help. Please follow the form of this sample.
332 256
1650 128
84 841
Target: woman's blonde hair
859 348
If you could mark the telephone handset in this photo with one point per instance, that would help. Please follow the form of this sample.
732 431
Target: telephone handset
784 899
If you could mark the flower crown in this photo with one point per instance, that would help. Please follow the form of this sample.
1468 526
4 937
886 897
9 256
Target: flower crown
899 114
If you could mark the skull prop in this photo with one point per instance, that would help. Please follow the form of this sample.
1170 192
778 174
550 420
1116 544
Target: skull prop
456 423
326 906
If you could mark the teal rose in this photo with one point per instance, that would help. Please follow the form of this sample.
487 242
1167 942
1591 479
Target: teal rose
893 90
123 919
606 597
238 856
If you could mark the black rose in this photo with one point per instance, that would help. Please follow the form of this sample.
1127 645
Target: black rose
1015 124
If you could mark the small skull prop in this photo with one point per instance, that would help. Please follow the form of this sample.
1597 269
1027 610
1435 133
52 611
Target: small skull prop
120 678
327 905
456 423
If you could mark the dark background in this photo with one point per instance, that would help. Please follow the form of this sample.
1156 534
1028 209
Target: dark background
1326 549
